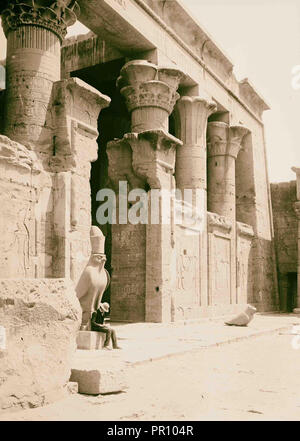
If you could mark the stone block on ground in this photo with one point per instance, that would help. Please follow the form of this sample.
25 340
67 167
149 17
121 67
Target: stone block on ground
41 318
99 373
90 340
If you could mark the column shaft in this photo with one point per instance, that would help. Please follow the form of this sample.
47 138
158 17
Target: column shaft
33 65
223 146
191 114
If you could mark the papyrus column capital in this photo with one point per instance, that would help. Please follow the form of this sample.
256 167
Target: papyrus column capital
191 113
224 140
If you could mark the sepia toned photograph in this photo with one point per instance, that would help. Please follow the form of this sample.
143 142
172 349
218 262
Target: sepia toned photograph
149 213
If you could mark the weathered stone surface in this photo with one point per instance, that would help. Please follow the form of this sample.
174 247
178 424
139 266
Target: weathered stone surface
72 387
41 318
90 340
76 53
99 373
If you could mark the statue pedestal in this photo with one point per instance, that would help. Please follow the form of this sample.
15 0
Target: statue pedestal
90 340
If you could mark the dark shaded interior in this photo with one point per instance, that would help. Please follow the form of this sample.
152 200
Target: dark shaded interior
291 301
113 122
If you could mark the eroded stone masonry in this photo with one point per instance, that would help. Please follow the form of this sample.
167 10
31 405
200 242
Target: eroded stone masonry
139 99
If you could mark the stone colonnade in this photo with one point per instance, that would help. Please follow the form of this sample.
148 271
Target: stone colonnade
150 93
58 121
147 158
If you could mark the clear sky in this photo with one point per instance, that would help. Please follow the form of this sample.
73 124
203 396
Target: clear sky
262 38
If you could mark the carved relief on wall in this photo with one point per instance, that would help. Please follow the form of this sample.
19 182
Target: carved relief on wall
219 269
187 269
17 230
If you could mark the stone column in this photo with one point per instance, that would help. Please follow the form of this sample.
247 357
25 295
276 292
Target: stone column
150 94
297 211
34 35
76 107
224 144
191 114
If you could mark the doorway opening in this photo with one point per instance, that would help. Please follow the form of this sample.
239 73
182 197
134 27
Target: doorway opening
291 298
113 122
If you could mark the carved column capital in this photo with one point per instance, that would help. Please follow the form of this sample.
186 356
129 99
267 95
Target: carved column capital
76 107
236 136
217 138
191 114
150 93
224 140
55 16
153 156
120 168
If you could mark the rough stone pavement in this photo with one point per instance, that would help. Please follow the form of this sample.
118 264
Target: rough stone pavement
253 378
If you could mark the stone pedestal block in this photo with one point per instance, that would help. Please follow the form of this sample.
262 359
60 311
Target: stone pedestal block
99 375
90 340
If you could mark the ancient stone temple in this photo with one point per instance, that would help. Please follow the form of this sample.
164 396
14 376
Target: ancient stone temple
146 99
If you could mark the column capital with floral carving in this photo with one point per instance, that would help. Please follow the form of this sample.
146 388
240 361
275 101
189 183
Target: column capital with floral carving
153 156
225 140
76 106
55 16
150 93
191 114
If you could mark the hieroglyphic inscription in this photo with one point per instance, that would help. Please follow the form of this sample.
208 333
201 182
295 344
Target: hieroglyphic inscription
221 274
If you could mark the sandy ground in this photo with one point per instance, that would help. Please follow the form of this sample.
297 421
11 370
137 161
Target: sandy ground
255 379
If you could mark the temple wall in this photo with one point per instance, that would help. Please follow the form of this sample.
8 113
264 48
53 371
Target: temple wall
286 233
128 281
186 272
83 51
27 224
